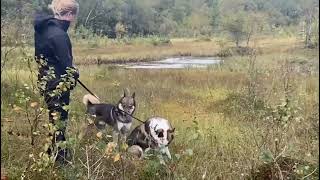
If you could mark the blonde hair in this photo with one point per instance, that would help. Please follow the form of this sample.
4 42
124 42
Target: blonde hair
63 7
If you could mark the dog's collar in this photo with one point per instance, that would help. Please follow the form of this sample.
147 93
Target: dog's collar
148 133
147 127
115 111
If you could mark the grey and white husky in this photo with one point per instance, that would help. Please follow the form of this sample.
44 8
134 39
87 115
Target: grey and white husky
112 115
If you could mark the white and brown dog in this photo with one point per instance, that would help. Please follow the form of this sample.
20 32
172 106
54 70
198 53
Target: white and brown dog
156 133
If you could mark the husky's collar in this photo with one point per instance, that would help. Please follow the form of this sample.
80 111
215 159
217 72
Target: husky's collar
117 115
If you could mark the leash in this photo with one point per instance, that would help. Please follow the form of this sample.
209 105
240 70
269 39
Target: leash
132 116
117 108
87 89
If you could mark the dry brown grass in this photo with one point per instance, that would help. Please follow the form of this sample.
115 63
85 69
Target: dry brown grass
205 106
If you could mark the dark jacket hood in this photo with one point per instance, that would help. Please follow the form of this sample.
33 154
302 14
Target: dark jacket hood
42 21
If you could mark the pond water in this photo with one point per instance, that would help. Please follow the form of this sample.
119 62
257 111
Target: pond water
175 63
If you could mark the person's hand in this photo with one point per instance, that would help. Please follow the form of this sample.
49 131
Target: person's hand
74 72
73 76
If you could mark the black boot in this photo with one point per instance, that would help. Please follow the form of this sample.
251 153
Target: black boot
50 148
63 154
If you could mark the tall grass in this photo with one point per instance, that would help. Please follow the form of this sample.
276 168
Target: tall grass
222 130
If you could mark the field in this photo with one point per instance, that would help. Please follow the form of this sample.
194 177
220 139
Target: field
253 117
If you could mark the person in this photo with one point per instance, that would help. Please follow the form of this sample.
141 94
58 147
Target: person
53 51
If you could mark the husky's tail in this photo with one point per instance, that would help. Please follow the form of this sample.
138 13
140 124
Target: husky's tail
90 99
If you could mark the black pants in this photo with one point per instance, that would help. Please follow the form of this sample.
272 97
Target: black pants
55 105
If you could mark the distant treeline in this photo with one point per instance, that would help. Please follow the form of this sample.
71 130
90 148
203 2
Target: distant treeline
179 18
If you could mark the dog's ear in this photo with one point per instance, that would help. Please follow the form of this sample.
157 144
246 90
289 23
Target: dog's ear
133 95
125 92
171 130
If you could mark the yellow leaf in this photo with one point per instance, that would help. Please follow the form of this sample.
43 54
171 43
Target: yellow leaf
110 147
99 135
116 157
7 120
34 104
124 146
17 108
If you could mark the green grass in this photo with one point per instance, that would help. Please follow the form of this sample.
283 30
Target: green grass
217 131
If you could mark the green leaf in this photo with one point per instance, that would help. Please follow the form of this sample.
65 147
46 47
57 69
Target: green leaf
71 141
195 136
101 145
66 107
266 156
189 152
178 156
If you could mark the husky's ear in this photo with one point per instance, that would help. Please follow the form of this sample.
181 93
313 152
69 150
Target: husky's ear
125 92
133 95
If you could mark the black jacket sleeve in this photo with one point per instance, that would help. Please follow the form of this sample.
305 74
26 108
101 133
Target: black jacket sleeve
61 48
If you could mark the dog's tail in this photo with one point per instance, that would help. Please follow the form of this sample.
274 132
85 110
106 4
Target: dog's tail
90 99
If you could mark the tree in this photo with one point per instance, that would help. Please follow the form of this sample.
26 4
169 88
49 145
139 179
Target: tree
255 23
236 26
101 16
179 17
311 10
198 24
215 14
136 18
120 30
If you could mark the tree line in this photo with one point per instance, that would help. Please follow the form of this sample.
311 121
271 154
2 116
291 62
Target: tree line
181 18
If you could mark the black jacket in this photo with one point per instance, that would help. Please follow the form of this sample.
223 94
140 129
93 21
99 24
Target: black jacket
52 44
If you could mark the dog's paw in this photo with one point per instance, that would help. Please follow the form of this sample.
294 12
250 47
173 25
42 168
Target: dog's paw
166 151
136 151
